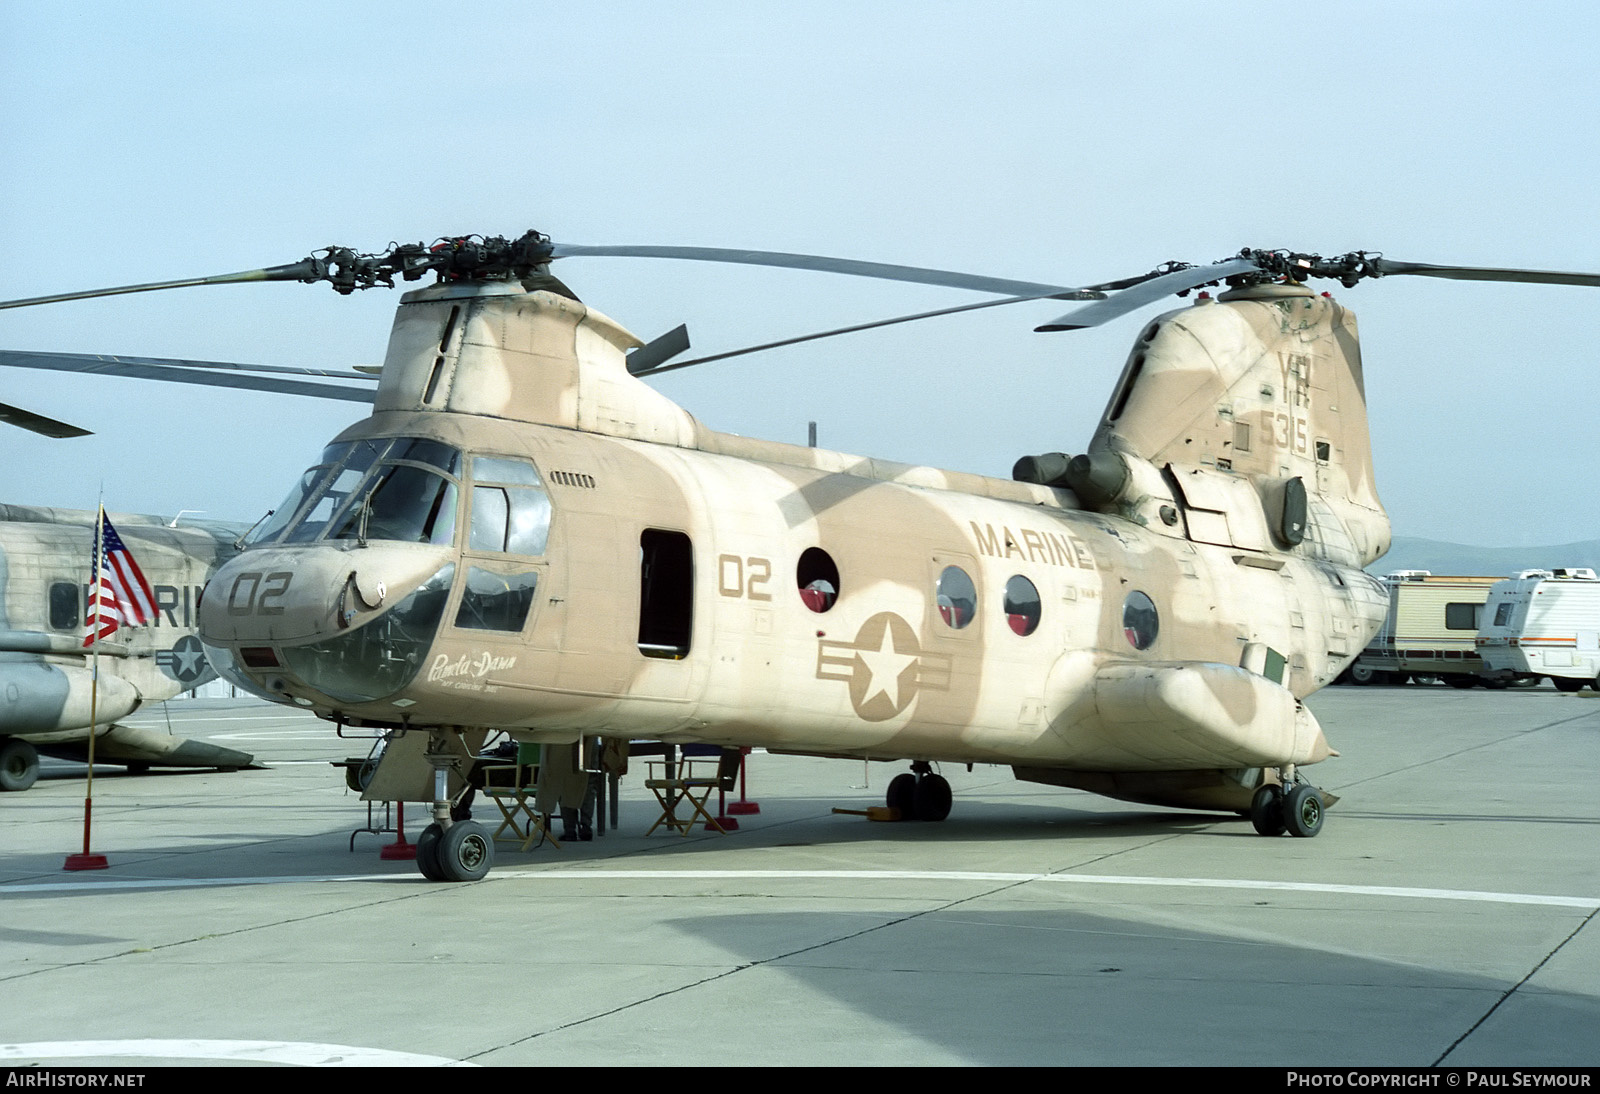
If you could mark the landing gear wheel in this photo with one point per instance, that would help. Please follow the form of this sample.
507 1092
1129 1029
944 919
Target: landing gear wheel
1302 811
1567 683
465 852
932 798
902 795
1266 810
19 764
428 853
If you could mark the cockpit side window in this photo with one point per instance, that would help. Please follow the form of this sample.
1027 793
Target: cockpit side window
510 509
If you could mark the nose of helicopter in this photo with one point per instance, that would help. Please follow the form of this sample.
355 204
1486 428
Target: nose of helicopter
324 623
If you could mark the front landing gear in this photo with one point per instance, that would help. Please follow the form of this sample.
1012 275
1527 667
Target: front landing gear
1297 809
451 848
919 794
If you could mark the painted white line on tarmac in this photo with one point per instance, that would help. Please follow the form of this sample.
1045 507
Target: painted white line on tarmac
973 876
301 1053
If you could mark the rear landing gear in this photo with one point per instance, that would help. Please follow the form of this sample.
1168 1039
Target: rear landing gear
919 794
1296 808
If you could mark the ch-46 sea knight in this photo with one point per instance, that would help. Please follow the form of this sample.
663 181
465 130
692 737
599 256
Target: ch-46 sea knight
525 537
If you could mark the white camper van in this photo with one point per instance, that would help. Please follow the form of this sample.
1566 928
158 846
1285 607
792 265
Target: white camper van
1429 633
1543 623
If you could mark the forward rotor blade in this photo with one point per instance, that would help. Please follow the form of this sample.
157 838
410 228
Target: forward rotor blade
914 274
1148 292
298 271
205 373
846 330
38 423
1385 267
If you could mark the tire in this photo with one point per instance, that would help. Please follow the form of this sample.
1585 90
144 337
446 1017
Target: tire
1266 810
19 764
1567 683
465 852
902 795
1303 811
933 798
1362 674
428 852
1425 679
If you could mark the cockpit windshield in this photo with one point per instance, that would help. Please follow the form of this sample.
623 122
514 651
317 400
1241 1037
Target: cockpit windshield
379 488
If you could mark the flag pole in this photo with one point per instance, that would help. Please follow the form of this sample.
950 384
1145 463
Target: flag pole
87 860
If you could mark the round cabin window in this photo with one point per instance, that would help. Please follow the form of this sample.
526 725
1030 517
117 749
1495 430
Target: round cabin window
1022 605
1140 623
957 597
817 578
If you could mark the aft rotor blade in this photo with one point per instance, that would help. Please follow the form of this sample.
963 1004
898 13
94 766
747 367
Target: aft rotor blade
298 271
914 274
845 330
1148 292
205 373
1385 267
38 423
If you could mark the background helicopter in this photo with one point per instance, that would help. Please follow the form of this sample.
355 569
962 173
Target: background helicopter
1192 577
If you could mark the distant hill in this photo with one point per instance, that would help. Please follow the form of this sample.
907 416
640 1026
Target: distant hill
1410 553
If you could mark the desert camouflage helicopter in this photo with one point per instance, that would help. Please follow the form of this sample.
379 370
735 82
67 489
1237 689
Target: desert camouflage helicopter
525 537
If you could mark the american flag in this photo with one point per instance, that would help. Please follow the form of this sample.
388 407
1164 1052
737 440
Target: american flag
124 596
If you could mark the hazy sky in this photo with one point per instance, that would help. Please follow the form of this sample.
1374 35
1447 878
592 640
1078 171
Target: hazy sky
1047 141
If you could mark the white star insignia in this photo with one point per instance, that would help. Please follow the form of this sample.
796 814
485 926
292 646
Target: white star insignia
884 666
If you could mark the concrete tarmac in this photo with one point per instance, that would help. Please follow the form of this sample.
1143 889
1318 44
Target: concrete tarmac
1444 916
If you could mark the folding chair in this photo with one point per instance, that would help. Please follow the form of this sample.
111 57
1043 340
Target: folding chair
514 789
687 780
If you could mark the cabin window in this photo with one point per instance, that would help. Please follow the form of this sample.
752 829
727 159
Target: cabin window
1502 615
817 579
666 594
496 602
64 614
1140 621
957 597
1462 617
1022 605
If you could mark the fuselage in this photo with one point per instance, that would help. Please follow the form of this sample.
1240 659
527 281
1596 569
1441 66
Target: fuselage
765 595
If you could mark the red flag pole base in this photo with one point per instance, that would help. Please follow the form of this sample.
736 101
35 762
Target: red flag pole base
86 859
742 807
399 850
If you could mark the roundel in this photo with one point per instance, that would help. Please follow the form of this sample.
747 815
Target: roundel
186 661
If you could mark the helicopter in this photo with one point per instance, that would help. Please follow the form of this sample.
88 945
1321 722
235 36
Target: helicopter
525 537
53 698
